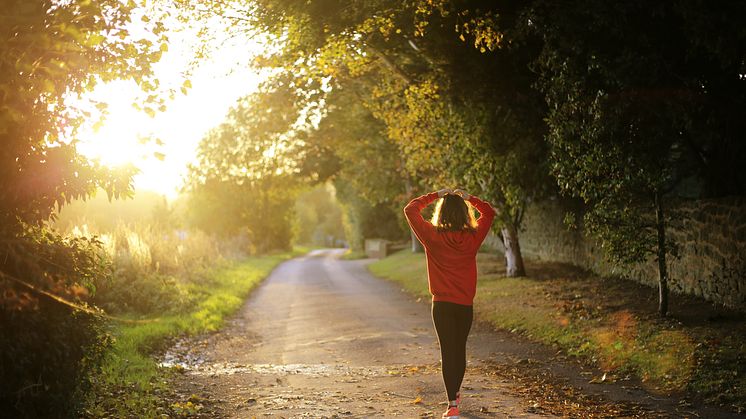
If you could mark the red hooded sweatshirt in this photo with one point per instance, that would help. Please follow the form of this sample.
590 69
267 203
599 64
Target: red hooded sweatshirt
451 255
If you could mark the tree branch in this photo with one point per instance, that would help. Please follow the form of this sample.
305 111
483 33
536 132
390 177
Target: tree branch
390 65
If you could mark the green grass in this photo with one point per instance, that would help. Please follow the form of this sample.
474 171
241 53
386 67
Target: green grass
130 383
599 320
406 268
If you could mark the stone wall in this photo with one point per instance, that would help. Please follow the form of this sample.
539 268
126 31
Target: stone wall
711 236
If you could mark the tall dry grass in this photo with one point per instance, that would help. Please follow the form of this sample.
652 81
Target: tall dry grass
153 268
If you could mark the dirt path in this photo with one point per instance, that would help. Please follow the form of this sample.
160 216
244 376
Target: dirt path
321 337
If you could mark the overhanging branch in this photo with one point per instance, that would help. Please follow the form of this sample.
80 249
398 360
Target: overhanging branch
390 65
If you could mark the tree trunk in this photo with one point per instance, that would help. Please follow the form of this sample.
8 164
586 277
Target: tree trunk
416 245
513 259
660 226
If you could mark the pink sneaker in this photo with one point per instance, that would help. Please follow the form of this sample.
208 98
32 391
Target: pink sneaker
451 413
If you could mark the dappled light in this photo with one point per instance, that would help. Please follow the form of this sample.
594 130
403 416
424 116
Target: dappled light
667 357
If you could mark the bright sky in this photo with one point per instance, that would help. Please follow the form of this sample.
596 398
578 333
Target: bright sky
216 84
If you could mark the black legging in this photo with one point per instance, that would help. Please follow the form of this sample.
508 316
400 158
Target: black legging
452 324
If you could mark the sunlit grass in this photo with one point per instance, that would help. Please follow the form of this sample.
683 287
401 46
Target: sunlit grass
406 268
666 356
131 380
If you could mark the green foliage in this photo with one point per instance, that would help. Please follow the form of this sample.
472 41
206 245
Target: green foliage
363 219
349 147
47 347
636 100
319 217
46 357
152 267
655 83
52 52
244 178
644 105
396 87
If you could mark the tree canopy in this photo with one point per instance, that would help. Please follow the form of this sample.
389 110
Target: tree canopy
643 108
244 179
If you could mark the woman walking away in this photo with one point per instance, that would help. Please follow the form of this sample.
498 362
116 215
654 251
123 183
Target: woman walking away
451 242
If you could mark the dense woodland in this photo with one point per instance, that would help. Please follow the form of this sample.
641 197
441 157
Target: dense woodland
625 108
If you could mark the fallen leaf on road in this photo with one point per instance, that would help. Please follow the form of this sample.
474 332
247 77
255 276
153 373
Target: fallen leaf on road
418 400
598 380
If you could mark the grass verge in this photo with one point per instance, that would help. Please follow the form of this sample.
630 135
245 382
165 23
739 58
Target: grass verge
699 349
130 383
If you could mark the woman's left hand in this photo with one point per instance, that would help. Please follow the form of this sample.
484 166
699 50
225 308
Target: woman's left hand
442 192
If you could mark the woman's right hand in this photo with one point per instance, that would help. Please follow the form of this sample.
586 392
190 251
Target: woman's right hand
442 192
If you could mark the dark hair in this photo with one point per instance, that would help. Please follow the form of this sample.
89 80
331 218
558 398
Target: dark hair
452 213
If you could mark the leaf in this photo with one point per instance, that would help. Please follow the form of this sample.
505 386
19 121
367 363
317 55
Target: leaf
95 39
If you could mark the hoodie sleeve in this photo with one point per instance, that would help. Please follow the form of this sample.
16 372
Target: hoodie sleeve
422 229
487 214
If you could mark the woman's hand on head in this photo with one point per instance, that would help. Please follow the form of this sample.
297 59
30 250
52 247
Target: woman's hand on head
442 192
462 193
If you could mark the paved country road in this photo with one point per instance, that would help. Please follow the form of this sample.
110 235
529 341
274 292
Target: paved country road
321 337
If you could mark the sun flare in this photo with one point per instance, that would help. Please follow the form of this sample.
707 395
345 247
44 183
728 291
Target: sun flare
162 145
117 141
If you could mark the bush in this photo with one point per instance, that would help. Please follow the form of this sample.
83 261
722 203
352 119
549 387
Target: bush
152 268
46 356
47 347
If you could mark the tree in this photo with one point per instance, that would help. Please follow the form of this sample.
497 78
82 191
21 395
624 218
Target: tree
53 51
642 100
319 216
244 178
349 148
438 98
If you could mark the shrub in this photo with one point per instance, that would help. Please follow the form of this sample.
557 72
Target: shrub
47 347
